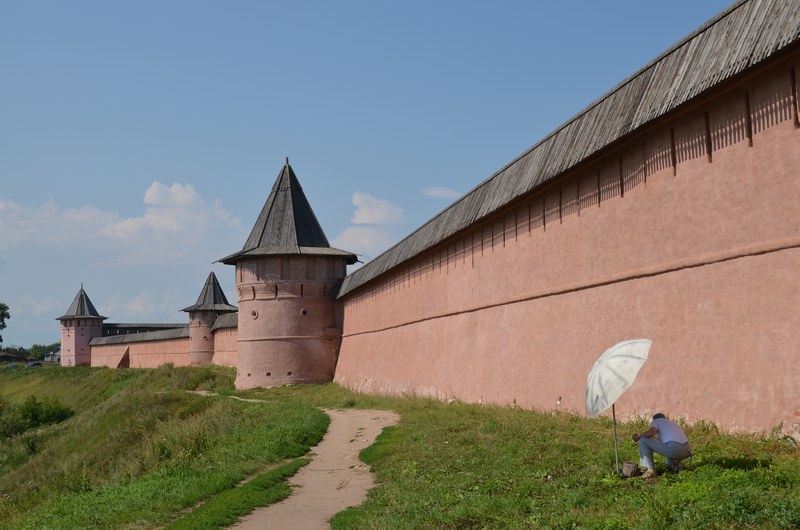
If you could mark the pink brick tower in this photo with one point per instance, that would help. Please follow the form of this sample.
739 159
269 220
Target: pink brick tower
287 276
79 325
210 304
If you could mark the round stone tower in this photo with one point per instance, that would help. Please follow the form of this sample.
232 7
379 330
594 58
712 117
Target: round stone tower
287 276
79 325
210 304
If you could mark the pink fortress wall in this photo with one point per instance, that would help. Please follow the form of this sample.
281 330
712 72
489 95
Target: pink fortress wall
147 354
110 355
226 351
152 354
702 257
158 353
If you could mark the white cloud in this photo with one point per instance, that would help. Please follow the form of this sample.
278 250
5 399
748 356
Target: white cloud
176 195
439 192
171 211
40 307
148 302
177 225
366 241
373 211
370 237
147 305
48 223
89 216
167 249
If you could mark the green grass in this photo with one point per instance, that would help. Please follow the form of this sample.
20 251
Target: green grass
139 450
226 508
466 466
469 467
139 453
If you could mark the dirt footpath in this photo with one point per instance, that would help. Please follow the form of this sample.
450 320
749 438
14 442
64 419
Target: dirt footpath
335 479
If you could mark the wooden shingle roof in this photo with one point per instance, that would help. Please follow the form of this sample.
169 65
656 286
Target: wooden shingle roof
228 320
287 225
82 308
740 37
181 332
211 298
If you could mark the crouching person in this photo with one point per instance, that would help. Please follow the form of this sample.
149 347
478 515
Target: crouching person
666 438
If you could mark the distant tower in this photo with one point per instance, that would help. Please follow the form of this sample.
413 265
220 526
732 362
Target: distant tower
210 304
79 325
290 326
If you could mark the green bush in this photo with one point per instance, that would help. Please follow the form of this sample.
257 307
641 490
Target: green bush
44 412
11 423
30 414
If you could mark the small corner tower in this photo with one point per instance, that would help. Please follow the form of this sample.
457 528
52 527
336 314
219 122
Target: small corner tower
79 325
287 275
210 304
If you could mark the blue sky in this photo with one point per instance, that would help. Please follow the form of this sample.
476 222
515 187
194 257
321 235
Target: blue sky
139 140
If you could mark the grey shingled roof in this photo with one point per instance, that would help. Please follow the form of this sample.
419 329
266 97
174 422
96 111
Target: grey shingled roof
740 37
81 307
228 320
287 225
127 328
166 334
211 298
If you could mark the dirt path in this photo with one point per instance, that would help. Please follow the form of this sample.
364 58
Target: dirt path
334 480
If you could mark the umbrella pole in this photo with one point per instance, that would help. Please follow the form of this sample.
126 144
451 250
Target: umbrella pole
616 444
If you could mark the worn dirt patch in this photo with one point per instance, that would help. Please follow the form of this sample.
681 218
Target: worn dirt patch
335 478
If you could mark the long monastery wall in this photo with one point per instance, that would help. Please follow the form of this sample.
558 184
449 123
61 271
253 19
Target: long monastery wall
139 352
143 354
686 232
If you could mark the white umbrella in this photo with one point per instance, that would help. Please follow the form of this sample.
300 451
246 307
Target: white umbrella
612 374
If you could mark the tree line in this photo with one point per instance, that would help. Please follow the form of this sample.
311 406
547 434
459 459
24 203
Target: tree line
37 351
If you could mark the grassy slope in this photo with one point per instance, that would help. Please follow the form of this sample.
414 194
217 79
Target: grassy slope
466 466
443 466
139 450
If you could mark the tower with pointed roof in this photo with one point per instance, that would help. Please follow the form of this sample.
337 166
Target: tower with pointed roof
210 304
287 275
79 325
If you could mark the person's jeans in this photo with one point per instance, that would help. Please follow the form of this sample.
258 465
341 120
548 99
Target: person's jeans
670 450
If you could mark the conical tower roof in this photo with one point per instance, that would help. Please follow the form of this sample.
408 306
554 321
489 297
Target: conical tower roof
81 307
211 298
287 225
